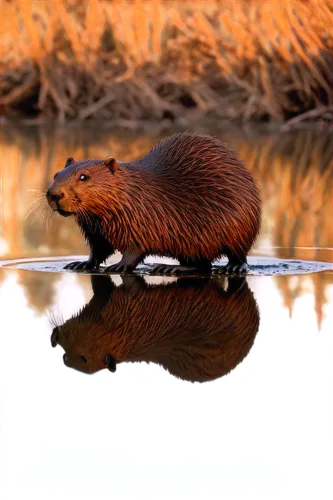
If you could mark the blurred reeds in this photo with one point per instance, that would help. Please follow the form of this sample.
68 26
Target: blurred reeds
294 172
160 60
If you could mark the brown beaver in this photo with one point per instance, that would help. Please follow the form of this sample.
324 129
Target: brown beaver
195 328
189 198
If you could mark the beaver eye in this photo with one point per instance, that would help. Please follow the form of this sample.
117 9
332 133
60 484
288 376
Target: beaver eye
84 177
55 175
84 359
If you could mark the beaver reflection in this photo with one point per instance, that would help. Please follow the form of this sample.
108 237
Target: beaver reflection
197 329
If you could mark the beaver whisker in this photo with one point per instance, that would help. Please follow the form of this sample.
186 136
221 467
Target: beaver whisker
41 193
55 319
40 213
46 216
33 209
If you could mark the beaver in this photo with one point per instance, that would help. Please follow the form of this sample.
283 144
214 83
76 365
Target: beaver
189 198
197 329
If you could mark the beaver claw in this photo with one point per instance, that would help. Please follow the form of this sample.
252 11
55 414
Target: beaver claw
170 270
79 265
232 268
118 268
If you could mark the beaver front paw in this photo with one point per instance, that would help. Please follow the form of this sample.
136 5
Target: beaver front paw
171 270
79 265
118 268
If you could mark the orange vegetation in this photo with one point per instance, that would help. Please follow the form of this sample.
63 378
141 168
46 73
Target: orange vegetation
154 59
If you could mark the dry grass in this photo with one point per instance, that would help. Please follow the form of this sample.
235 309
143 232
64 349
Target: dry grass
154 59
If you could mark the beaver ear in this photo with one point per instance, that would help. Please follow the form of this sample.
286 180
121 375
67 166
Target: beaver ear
69 161
110 362
55 336
111 163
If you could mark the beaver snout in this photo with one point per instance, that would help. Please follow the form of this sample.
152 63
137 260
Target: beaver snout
57 200
55 197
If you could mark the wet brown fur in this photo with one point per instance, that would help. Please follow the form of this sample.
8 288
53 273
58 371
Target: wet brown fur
190 198
195 329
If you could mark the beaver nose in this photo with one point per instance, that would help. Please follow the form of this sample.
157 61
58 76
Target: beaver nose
52 196
65 358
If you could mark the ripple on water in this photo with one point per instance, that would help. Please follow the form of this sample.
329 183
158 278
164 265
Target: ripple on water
258 266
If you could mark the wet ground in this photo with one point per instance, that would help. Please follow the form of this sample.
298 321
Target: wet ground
198 387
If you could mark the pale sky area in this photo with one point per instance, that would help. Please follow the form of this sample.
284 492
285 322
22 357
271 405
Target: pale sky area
265 431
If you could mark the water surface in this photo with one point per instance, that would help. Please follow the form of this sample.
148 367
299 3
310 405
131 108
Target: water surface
257 425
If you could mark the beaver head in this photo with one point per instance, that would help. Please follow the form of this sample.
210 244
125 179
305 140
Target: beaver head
69 192
83 357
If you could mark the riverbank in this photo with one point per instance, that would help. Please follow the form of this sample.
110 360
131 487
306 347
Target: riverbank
132 62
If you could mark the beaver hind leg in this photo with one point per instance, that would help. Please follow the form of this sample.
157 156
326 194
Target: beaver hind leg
186 266
129 261
237 263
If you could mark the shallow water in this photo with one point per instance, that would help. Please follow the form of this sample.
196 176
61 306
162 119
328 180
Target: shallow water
258 425
257 266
